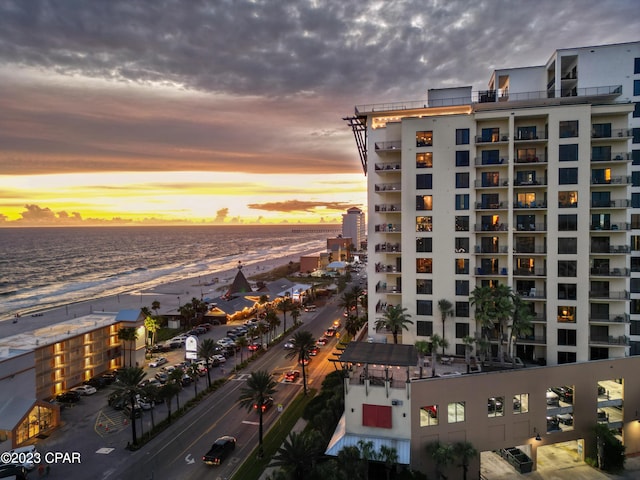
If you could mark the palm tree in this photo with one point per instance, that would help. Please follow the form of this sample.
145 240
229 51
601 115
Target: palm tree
504 312
482 299
128 334
436 342
285 306
367 453
128 380
346 301
194 374
151 326
273 321
152 393
464 451
242 342
468 342
155 306
175 377
187 313
357 292
394 319
388 456
521 324
349 462
295 313
168 391
303 341
206 350
353 325
446 310
259 386
422 347
442 454
297 454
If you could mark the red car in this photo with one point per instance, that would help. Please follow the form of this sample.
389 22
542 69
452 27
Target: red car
254 347
291 375
330 332
322 341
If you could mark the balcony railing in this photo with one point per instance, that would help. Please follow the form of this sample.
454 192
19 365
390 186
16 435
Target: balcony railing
493 138
389 227
491 249
535 339
380 268
530 272
529 249
492 271
617 180
501 182
614 133
388 247
621 203
539 181
610 249
388 167
532 227
610 272
528 136
613 157
491 227
537 158
611 295
532 204
621 340
611 226
388 207
491 206
612 318
479 161
539 317
388 187
395 145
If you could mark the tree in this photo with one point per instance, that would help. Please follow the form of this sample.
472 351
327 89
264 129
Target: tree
175 377
394 319
353 325
128 334
259 386
297 454
155 306
273 321
388 456
446 310
128 380
521 324
346 301
350 463
442 454
151 326
295 313
167 392
206 350
194 374
357 292
422 347
436 342
302 341
468 342
464 452
504 312
285 306
152 393
187 313
242 342
483 300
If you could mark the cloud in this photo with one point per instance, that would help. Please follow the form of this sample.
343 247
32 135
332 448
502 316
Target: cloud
221 215
299 206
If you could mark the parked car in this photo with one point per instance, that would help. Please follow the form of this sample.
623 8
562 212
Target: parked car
552 398
310 308
137 411
96 383
145 403
565 394
220 450
13 471
84 389
68 397
494 405
603 417
108 377
266 404
565 418
292 375
218 358
117 401
206 326
553 425
162 377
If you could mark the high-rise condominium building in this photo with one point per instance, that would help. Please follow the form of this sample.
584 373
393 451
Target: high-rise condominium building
354 226
533 183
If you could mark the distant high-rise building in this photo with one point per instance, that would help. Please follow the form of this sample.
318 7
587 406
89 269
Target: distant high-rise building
354 226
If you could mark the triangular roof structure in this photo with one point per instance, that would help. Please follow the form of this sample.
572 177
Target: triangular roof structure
240 284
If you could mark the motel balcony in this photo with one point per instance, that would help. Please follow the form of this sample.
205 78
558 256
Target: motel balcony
611 318
392 146
388 167
388 187
620 340
609 295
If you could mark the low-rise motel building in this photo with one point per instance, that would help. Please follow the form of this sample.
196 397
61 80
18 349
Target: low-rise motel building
36 365
392 399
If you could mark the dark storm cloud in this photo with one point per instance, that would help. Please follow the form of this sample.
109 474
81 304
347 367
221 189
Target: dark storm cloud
285 48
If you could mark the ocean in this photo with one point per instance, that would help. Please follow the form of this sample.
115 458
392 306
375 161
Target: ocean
42 268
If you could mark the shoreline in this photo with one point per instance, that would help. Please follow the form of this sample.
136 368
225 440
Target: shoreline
171 296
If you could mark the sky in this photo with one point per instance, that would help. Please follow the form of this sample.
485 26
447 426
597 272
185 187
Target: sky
231 112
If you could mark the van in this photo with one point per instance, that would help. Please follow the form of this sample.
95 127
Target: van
27 455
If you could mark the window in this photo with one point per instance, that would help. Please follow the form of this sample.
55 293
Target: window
455 412
635 135
526 177
462 136
491 157
424 181
566 337
462 158
566 357
526 155
635 200
568 199
424 307
424 244
527 133
635 157
567 223
462 224
461 245
636 110
462 330
462 266
423 224
601 175
424 202
566 314
462 201
429 415
601 130
490 134
495 407
601 153
569 129
462 309
635 307
635 178
635 220
424 265
601 221
600 199
634 327
568 153
490 179
462 287
490 200
526 222
568 176
567 291
634 285
567 268
424 328
424 139
636 88
636 65
635 242
520 403
462 180
424 286
424 160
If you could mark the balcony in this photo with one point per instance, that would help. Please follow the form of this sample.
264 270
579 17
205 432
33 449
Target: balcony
389 228
616 133
609 295
493 138
388 187
537 182
383 288
388 248
613 157
491 249
491 227
491 206
491 271
621 203
393 146
502 182
536 249
531 340
612 318
609 272
622 180
610 249
388 207
621 340
532 227
533 294
540 317
388 167
621 226
480 161
532 204
530 137
380 268
530 272
537 158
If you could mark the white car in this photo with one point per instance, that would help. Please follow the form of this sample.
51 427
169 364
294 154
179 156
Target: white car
289 345
84 390
158 361
218 358
226 342
145 403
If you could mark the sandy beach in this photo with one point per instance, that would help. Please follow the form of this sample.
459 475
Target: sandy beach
170 295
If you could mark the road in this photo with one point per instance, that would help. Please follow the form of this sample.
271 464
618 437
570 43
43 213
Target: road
100 434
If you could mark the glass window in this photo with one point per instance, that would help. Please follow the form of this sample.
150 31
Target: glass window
601 153
636 65
567 291
462 287
635 220
635 200
568 153
601 130
636 110
568 199
490 134
462 224
635 264
424 286
567 268
424 139
455 412
569 129
636 88
495 406
635 179
527 133
462 180
566 357
462 201
462 330
462 309
423 224
635 135
566 314
424 202
491 157
424 265
461 244
462 158
566 337
520 403
424 181
424 328
568 176
601 175
429 415
424 160
462 265
568 245
526 155
424 244
424 307
462 136
567 223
